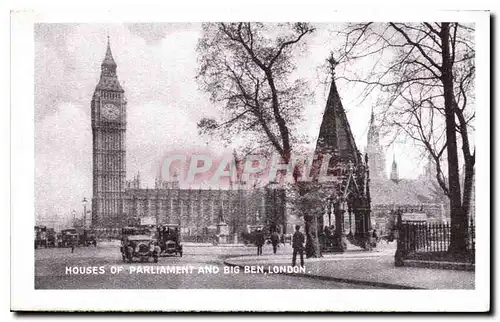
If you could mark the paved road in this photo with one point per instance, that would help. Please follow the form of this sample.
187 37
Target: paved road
51 265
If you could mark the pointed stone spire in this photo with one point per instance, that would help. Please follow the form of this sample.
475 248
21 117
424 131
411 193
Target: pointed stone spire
394 170
108 58
373 131
335 135
109 79
376 153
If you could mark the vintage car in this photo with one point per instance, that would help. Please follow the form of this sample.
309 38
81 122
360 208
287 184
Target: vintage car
51 237
169 240
140 247
40 236
58 239
249 237
69 237
87 238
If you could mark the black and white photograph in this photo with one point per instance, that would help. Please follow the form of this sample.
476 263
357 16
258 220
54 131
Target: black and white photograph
198 157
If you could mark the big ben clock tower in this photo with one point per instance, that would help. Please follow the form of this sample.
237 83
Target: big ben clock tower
108 140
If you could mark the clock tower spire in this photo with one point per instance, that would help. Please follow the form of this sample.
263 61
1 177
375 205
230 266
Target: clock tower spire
108 107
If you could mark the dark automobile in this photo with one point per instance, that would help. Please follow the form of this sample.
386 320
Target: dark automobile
51 237
250 236
169 240
139 247
87 238
40 236
69 237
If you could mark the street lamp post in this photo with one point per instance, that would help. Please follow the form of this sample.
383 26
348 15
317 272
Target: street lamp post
74 217
84 202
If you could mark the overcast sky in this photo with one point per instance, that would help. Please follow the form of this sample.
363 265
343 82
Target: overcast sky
156 66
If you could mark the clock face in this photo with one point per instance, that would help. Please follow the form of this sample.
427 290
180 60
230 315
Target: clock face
110 111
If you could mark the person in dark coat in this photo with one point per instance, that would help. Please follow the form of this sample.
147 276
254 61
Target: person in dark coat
73 243
259 241
175 235
275 239
298 246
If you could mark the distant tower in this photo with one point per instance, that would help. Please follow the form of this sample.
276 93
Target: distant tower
175 181
376 156
394 170
430 169
108 110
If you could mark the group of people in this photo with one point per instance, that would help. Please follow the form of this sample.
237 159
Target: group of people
260 240
298 240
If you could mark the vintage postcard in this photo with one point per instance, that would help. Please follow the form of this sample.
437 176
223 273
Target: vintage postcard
197 165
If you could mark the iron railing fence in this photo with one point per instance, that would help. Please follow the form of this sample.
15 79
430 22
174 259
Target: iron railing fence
421 238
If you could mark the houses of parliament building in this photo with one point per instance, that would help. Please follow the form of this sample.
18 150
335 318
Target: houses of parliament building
117 202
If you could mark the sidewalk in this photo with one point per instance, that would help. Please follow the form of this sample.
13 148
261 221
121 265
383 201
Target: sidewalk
190 244
375 268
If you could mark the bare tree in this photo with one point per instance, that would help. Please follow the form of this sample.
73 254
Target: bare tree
425 73
248 67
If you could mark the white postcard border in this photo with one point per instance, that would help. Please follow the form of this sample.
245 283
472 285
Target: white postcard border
25 297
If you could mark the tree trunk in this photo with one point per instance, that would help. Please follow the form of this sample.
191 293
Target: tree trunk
312 242
468 186
457 215
312 247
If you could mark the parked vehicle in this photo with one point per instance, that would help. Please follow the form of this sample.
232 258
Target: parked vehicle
169 240
87 237
40 236
51 237
139 247
249 237
69 237
58 242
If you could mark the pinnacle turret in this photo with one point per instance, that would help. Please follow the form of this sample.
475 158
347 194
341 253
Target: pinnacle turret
394 170
335 133
109 79
108 58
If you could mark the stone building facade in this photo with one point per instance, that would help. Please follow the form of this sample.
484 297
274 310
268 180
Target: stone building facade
117 202
200 210
389 194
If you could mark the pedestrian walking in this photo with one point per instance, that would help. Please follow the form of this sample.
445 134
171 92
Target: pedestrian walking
275 239
298 246
259 241
72 246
